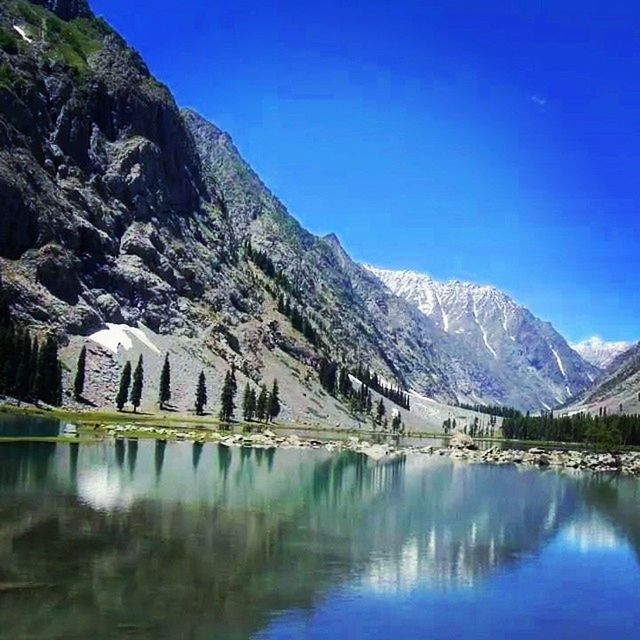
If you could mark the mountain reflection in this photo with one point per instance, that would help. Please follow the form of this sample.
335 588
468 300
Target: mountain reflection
162 551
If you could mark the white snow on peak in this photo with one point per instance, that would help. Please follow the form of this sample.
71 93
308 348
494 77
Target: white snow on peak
484 328
120 335
600 352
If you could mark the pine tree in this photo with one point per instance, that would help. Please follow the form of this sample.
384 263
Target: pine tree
78 383
165 383
234 382
380 411
138 384
253 403
248 403
125 382
23 351
262 404
227 398
201 394
33 366
274 402
49 374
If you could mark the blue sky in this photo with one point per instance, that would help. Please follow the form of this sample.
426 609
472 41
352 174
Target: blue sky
497 142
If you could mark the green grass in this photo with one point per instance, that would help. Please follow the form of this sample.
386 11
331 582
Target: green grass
10 80
8 42
69 42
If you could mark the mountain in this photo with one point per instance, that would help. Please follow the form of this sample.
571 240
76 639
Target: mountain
120 211
527 357
135 227
618 386
599 352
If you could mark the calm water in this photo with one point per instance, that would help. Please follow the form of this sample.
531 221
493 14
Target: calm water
143 540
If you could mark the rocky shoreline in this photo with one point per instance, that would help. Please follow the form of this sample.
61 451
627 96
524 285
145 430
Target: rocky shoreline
460 447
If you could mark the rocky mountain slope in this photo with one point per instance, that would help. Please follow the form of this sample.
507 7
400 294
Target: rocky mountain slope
119 208
532 362
618 387
599 352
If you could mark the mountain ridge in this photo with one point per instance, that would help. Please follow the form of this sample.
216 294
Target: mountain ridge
505 335
600 352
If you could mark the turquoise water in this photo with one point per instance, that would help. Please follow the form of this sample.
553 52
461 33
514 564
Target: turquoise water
145 540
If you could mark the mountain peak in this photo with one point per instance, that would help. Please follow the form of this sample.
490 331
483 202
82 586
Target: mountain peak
599 352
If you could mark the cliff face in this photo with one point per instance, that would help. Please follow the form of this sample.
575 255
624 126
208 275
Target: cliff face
118 208
105 212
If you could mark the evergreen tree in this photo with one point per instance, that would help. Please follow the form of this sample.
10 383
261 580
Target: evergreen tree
234 381
125 382
396 423
248 403
274 402
201 394
78 383
165 383
23 375
33 366
227 397
253 403
49 374
262 404
138 384
380 411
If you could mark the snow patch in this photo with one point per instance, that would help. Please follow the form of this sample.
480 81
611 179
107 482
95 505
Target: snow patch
119 335
559 361
482 330
22 33
445 319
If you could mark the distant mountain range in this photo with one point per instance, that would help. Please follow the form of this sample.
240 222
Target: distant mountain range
599 352
528 358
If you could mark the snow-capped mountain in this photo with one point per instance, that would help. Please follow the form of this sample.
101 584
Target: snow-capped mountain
524 360
600 352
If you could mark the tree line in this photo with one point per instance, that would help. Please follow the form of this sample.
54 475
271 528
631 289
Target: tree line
606 430
29 370
265 264
264 406
299 321
337 382
475 429
372 380
492 410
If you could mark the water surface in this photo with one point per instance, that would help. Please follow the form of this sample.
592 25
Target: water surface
152 540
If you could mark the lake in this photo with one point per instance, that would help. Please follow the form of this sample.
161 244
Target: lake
151 540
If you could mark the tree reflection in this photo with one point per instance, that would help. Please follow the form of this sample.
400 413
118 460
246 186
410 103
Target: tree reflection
177 562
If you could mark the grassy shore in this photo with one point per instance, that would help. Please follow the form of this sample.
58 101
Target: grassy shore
181 421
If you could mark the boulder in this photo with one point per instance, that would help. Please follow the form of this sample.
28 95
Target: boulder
461 440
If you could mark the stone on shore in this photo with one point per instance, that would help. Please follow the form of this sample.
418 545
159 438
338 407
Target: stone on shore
461 440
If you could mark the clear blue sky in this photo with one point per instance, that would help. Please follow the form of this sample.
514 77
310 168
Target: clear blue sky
497 142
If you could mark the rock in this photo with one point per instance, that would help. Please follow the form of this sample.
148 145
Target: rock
543 460
375 451
461 440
